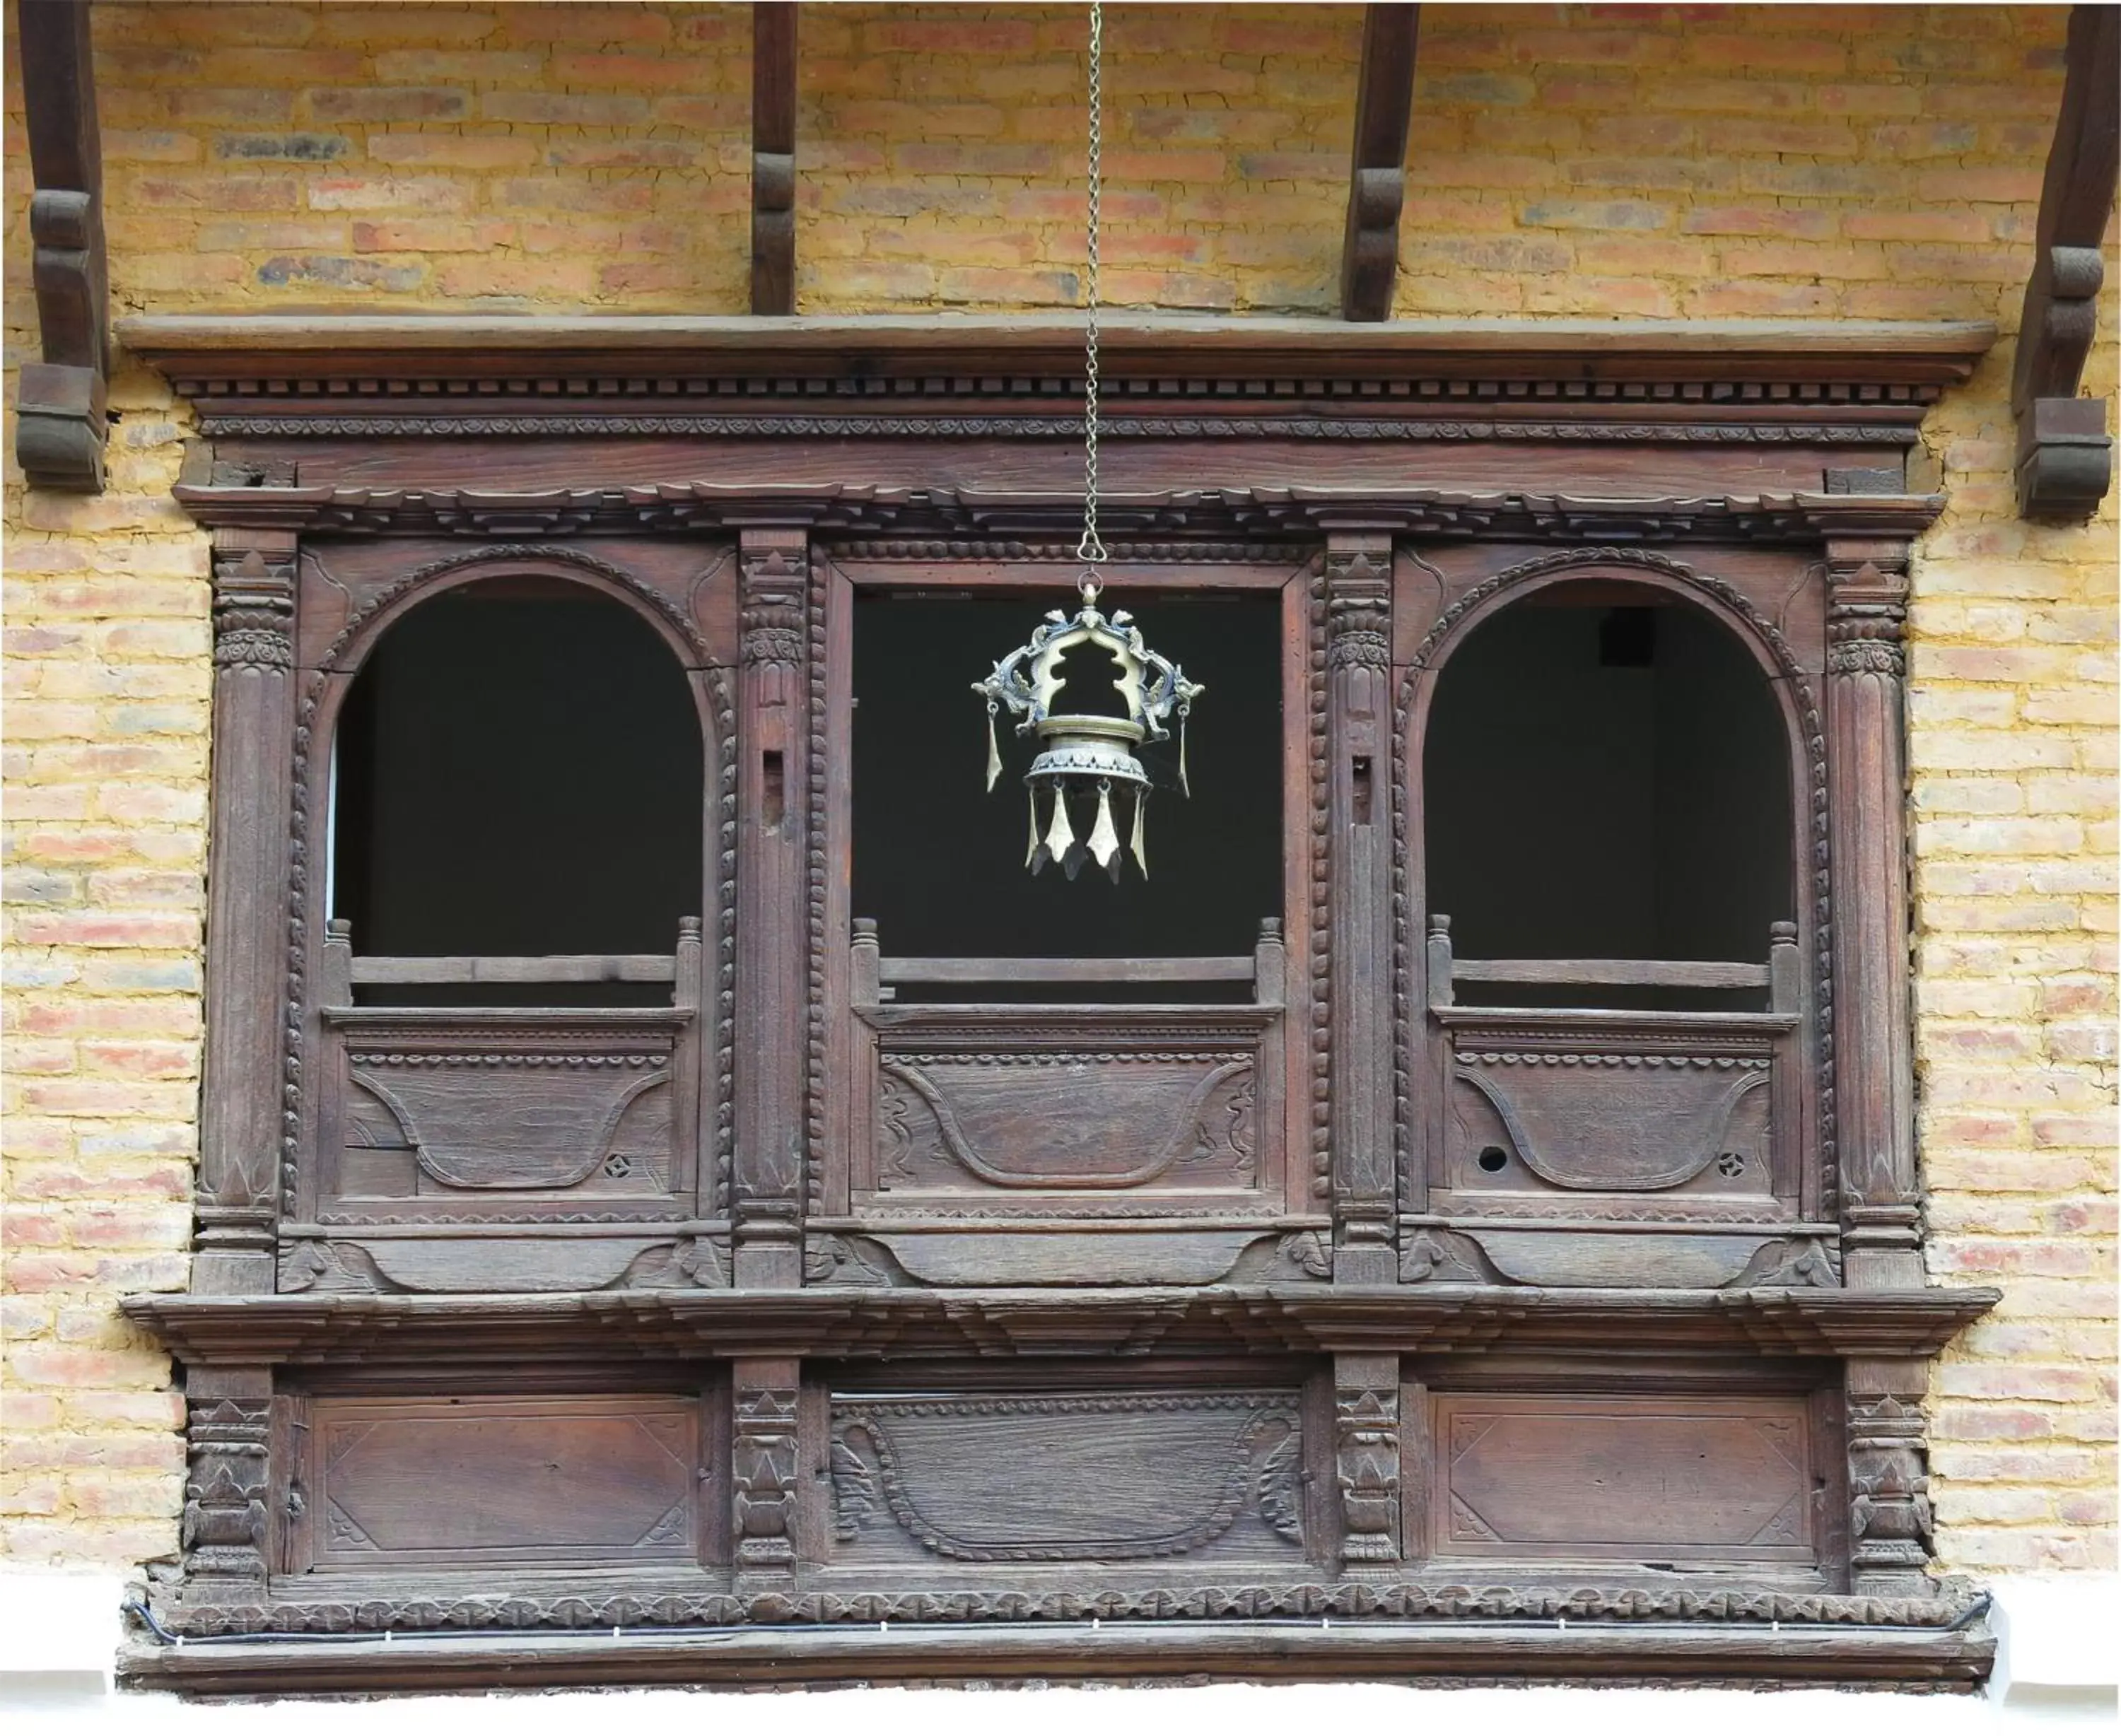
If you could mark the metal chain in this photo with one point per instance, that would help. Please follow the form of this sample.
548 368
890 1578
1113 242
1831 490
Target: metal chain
1091 549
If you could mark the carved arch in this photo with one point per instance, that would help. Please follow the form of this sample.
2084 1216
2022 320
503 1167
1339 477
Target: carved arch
376 615
1803 719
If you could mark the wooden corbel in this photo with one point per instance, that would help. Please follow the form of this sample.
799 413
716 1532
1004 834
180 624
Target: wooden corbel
773 157
1376 178
2065 456
60 421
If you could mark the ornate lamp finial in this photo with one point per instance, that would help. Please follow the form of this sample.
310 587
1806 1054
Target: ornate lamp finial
1084 753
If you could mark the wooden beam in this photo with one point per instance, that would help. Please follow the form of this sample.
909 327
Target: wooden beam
1376 178
773 157
2065 456
60 426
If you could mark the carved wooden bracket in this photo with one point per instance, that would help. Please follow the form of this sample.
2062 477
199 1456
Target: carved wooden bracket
1376 177
2065 455
773 157
60 422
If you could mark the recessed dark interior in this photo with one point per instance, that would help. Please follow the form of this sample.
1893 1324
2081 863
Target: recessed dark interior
1607 780
940 864
518 773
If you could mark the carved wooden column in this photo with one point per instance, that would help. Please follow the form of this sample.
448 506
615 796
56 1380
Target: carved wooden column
1888 1512
1366 1460
770 887
228 1425
241 1110
763 1459
1873 1059
1358 812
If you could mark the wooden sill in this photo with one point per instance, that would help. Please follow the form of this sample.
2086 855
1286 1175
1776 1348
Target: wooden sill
1370 1649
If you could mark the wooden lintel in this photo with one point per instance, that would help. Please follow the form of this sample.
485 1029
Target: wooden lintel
1377 176
2065 455
773 157
59 431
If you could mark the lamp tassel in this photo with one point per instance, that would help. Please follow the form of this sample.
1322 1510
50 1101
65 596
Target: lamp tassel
1184 788
994 750
1060 836
1031 850
1140 849
1104 842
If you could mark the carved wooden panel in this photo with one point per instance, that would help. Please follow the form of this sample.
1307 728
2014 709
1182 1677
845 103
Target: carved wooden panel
1639 1479
520 1481
1061 1114
1084 1476
536 1113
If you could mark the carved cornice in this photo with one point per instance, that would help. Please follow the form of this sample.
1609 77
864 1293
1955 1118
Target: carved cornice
645 362
931 514
1303 1319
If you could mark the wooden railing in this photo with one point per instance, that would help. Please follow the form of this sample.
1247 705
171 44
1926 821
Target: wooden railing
1782 976
878 979
343 971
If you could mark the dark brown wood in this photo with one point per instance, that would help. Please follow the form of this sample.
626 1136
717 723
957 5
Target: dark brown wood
626 967
2065 455
1611 972
1633 1479
1889 1509
1299 1648
429 1484
243 1126
966 971
1873 1047
1359 659
998 1316
771 878
773 157
1377 174
60 427
1288 1318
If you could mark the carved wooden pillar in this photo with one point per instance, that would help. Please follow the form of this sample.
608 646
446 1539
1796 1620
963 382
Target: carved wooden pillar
1889 1513
1358 812
241 1111
770 890
1366 1460
228 1427
764 1455
1873 1059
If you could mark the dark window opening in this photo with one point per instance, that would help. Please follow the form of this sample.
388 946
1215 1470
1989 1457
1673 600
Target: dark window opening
1607 782
518 775
938 863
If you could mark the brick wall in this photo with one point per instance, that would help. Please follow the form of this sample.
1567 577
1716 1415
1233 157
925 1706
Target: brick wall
1715 162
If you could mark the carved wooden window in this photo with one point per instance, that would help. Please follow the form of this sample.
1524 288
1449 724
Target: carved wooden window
1051 1080
667 1167
509 1027
1616 1041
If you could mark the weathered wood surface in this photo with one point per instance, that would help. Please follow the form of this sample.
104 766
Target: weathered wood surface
773 157
1289 1319
1302 1648
2065 456
619 967
60 426
1377 174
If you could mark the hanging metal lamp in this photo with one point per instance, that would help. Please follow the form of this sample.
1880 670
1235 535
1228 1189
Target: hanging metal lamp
1086 755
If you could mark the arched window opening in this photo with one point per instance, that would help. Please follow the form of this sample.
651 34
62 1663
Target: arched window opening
517 776
1606 778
